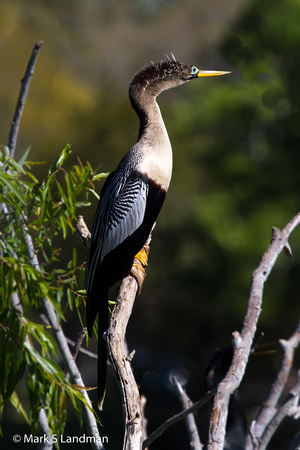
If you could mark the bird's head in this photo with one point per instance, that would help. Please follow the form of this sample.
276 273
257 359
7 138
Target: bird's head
158 77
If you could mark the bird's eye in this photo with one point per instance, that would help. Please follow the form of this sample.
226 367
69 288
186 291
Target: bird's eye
194 70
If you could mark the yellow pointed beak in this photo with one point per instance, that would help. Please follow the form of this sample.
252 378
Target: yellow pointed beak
210 73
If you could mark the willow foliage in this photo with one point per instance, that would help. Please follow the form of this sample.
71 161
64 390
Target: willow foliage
34 213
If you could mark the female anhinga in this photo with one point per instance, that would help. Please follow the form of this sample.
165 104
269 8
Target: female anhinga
132 196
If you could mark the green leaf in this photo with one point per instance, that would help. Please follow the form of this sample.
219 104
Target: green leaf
14 400
60 160
99 176
16 166
62 193
47 364
13 187
24 157
44 338
27 347
6 151
64 227
95 194
70 299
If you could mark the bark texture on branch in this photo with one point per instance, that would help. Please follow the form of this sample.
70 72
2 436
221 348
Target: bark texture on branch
120 360
242 342
25 82
195 443
270 404
117 349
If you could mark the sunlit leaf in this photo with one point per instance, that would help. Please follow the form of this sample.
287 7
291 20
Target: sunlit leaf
61 159
8 185
24 157
14 400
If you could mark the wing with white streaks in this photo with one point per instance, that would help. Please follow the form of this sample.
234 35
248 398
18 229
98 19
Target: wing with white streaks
120 213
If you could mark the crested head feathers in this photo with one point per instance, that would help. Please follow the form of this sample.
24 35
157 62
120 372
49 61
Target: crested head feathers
164 70
155 78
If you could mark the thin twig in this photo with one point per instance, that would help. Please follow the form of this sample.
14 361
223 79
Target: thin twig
269 406
190 418
83 350
243 342
182 415
290 402
25 82
73 344
46 444
77 345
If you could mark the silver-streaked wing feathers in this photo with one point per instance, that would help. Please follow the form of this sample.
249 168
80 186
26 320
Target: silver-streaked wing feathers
120 213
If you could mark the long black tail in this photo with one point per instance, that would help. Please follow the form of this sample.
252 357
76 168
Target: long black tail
102 349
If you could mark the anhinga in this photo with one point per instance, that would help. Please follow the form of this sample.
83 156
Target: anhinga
132 196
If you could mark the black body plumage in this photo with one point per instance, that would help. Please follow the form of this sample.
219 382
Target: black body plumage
131 198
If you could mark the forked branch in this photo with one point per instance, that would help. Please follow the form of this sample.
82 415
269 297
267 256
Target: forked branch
243 341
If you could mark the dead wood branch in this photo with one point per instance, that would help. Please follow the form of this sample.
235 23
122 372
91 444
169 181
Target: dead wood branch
182 415
121 362
269 406
25 82
289 407
186 402
242 342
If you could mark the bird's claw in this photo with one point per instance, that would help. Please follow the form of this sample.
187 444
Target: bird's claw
139 265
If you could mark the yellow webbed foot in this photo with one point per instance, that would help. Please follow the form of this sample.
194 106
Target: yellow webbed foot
139 265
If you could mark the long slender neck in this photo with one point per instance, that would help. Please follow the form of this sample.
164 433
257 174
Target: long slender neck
153 141
151 122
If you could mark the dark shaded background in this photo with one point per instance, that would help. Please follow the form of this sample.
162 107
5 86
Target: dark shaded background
236 174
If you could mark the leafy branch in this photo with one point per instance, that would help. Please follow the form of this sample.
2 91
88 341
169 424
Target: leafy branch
35 212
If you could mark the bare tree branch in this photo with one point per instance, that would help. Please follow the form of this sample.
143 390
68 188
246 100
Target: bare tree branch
81 349
120 360
43 423
25 82
190 419
182 415
117 347
82 232
242 342
288 407
77 345
269 406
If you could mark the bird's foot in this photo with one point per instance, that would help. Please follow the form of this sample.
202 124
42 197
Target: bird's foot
138 269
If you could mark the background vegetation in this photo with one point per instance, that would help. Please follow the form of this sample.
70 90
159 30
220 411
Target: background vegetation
236 143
